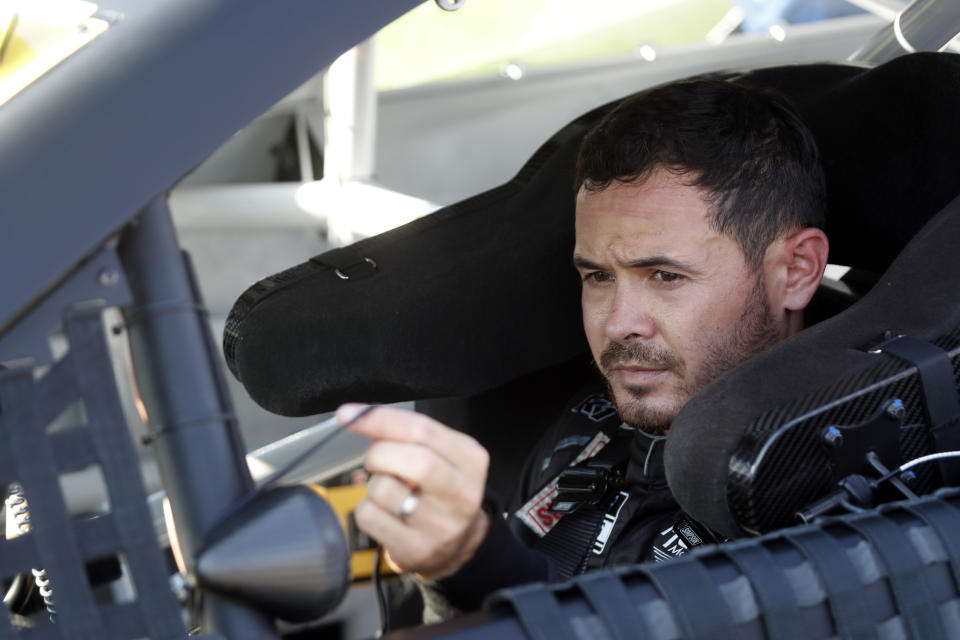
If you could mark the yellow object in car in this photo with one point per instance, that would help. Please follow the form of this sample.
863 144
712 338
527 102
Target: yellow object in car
363 550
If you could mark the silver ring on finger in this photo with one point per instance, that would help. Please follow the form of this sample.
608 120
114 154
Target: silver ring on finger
408 506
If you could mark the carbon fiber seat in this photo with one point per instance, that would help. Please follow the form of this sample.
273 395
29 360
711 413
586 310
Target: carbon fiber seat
755 447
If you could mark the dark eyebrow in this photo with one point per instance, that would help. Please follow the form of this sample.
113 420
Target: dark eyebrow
643 263
580 262
659 261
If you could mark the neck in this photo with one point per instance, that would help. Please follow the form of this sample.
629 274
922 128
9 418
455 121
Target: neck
794 322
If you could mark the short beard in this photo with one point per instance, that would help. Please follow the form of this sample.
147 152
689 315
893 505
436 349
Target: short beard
754 331
635 412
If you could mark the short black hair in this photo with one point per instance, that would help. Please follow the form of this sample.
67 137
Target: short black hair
747 146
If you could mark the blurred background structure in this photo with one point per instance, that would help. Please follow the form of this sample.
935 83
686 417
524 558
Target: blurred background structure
434 109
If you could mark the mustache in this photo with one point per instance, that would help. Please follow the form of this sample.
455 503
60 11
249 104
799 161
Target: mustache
638 354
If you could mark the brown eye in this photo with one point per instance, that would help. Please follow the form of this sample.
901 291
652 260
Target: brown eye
668 276
598 276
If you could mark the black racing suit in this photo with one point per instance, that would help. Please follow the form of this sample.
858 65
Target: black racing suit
635 520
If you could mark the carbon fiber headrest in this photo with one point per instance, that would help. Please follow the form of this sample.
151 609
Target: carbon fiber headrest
747 453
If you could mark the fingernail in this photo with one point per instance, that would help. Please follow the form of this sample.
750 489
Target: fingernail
348 412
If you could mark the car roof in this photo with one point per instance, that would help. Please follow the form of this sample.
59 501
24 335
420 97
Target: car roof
96 138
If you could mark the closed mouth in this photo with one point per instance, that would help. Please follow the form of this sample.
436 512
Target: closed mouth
637 375
639 368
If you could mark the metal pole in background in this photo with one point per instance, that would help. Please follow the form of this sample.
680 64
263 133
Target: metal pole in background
349 130
925 25
198 447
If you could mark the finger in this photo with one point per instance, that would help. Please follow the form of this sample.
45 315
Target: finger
392 563
425 543
431 515
388 493
404 544
388 423
420 467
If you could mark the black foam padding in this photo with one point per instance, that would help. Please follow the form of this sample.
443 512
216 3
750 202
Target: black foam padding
885 137
482 292
806 374
448 310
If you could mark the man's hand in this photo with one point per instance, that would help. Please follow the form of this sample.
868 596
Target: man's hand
445 469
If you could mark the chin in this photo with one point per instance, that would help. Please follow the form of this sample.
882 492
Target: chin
642 410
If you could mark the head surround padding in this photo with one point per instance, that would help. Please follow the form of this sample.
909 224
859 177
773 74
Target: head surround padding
918 295
482 292
449 308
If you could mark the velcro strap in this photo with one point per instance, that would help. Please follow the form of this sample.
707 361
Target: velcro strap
539 612
698 606
607 595
905 572
776 597
940 398
839 580
944 519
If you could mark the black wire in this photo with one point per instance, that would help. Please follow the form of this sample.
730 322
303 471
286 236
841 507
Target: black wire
314 447
306 453
381 596
933 457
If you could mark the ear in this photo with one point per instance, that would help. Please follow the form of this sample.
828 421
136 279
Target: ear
803 257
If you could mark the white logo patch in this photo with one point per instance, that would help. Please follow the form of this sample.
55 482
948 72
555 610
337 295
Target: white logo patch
668 545
609 519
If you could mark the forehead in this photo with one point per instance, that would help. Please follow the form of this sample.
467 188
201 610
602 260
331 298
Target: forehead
662 213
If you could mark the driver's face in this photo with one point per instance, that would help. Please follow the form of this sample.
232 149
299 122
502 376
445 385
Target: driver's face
669 304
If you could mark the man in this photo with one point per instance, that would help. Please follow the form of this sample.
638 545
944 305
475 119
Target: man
699 209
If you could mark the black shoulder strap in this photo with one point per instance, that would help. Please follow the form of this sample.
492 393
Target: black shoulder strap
568 542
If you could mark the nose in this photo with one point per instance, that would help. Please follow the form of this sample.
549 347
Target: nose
629 319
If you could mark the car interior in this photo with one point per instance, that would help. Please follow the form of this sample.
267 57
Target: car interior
828 461
473 312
